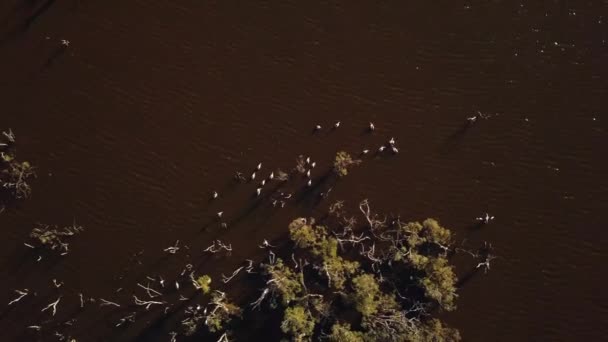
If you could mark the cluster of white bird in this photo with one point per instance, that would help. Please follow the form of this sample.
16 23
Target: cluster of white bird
390 144
371 127
309 165
258 190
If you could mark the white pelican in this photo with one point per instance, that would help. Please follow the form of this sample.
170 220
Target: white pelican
259 167
381 148
215 194
371 126
337 124
258 191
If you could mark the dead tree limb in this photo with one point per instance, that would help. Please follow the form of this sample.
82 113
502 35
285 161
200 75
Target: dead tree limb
129 318
372 219
107 302
258 301
146 303
22 294
227 279
173 249
150 291
52 305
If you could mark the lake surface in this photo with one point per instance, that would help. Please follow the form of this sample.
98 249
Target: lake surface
155 104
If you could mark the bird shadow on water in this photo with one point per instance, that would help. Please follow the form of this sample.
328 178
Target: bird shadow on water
310 197
474 228
22 27
56 53
467 277
452 142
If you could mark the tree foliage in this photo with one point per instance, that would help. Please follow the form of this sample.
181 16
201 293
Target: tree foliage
367 294
343 162
439 283
14 174
53 237
283 281
221 313
341 332
384 280
298 323
204 282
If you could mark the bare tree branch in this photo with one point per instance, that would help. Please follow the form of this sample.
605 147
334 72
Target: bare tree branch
52 305
22 294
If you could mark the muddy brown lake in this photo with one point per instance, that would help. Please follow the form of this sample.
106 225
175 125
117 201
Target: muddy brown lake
156 104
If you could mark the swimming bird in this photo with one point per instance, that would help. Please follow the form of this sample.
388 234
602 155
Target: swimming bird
312 165
394 149
371 126
258 191
307 160
337 124
317 127
259 167
271 175
215 194
381 148
253 176
486 218
309 182
392 141
263 182
308 173
220 213
239 177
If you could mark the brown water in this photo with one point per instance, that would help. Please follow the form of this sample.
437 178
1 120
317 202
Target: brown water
157 103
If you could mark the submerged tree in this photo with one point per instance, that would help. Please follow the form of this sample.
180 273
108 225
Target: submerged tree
14 174
343 283
204 283
53 237
221 312
343 162
392 276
